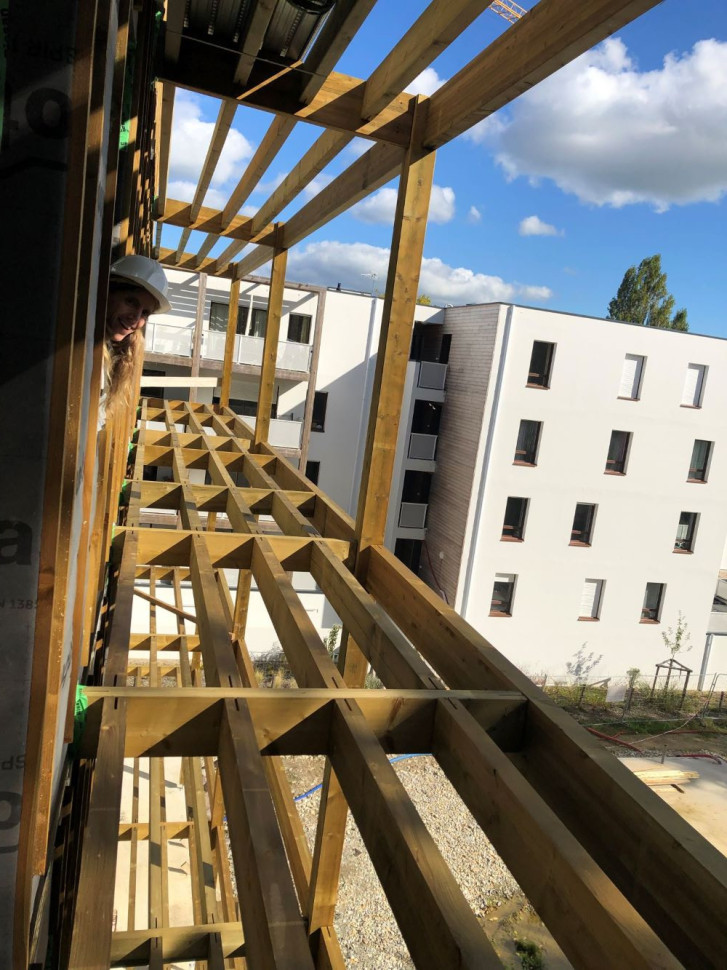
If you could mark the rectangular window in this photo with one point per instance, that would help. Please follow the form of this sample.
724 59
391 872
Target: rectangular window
513 526
694 386
312 471
591 598
582 529
686 531
630 386
416 487
699 465
528 438
541 364
618 452
409 551
503 592
259 322
299 328
318 419
653 599
219 313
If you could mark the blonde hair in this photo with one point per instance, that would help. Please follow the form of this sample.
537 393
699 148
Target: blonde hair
122 366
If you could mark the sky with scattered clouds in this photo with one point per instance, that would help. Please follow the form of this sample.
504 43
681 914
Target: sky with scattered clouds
621 154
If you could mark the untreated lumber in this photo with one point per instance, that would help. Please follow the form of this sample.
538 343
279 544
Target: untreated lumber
270 346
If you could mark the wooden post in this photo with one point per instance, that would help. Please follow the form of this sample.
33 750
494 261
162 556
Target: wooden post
197 339
230 343
270 348
402 283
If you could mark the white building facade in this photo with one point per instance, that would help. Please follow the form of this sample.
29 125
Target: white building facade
560 480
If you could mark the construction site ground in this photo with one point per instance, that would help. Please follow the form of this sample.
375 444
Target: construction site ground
369 936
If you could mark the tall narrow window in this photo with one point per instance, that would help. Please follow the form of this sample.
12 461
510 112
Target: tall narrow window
541 364
694 386
653 599
513 527
299 328
699 465
318 418
503 592
618 452
528 437
219 313
686 531
259 322
630 386
582 530
591 598
312 471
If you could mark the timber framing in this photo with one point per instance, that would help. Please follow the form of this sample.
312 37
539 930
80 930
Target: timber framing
182 749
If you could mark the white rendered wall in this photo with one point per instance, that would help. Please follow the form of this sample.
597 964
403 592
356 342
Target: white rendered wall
637 514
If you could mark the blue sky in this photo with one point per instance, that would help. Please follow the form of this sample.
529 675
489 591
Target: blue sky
621 155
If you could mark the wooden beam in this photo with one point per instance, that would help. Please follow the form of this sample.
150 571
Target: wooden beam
164 139
270 346
392 359
254 35
550 35
132 948
232 313
336 34
441 22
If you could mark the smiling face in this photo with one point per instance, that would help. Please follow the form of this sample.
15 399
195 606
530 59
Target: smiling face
127 310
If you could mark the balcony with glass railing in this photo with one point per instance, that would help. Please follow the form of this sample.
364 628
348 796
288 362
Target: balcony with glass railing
249 350
161 338
283 433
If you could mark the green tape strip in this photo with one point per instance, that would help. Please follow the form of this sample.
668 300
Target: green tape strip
79 720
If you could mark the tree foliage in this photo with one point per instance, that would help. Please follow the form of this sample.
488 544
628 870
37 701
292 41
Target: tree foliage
643 298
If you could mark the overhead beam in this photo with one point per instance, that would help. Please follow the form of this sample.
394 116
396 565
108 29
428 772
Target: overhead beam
551 35
262 13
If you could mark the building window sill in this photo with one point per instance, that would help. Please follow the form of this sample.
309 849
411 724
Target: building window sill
619 474
692 407
697 481
539 387
588 619
526 464
650 622
619 398
683 552
498 613
510 539
577 542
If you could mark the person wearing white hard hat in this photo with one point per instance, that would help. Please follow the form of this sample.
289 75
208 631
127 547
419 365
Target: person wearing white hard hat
137 288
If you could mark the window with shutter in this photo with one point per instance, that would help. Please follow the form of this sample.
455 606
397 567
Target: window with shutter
503 591
693 386
513 526
633 367
618 450
653 599
591 599
699 465
686 531
526 450
582 529
541 364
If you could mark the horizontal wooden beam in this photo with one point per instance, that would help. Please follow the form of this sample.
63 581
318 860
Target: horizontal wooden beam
172 547
165 722
214 498
132 948
337 104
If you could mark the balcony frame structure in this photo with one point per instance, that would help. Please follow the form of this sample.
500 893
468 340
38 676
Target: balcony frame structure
616 875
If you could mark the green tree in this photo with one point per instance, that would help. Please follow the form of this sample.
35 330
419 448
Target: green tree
643 298
424 300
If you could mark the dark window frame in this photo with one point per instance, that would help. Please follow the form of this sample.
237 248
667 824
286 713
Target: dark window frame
540 370
686 543
305 322
318 411
653 603
584 535
699 473
618 453
242 314
313 471
503 606
513 523
526 451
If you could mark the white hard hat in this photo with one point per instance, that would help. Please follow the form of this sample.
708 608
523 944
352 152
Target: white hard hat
144 272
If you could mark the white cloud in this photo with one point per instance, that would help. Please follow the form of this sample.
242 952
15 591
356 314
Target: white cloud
426 83
474 215
328 263
380 207
613 135
184 191
191 137
316 185
533 226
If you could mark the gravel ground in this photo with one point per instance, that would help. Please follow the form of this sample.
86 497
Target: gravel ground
364 923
